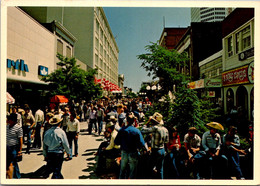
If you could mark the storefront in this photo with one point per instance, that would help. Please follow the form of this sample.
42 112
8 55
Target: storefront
208 87
238 86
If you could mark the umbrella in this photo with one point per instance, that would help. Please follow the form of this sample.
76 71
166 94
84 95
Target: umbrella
59 99
215 125
9 98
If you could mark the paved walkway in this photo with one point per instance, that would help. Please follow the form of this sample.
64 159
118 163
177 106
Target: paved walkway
81 167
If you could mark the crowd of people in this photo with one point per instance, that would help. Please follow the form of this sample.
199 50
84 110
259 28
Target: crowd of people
140 150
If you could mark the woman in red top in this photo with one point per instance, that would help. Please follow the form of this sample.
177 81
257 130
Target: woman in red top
172 161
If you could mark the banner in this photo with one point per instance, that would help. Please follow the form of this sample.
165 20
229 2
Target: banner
236 76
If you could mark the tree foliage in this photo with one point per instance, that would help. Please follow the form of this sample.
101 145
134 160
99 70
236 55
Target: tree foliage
164 64
72 81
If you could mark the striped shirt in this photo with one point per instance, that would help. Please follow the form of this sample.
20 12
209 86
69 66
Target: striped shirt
13 134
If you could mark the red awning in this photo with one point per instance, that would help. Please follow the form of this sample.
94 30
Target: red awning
59 99
9 98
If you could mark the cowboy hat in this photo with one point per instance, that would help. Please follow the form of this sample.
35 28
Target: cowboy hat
157 117
112 118
50 115
110 124
55 120
215 125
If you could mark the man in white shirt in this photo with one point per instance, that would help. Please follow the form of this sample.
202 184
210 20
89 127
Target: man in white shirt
73 130
39 119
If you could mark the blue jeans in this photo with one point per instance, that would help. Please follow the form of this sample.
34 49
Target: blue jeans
235 163
157 157
130 158
54 164
28 134
100 125
11 158
71 137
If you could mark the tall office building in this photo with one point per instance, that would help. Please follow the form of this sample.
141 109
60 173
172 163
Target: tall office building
95 46
209 14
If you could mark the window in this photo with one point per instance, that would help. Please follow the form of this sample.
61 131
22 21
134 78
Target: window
68 52
96 43
97 27
238 42
59 47
246 38
96 59
230 46
101 50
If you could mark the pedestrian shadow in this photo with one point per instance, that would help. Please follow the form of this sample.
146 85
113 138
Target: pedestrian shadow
89 154
99 140
91 150
38 174
90 159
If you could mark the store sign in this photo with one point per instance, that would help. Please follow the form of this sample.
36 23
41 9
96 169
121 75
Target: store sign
246 54
43 71
212 83
236 76
212 94
18 65
196 84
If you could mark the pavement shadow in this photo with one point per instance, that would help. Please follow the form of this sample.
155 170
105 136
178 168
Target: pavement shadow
89 154
40 173
91 150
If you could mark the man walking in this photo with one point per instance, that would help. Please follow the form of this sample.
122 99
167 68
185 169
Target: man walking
130 140
54 143
160 136
39 119
29 122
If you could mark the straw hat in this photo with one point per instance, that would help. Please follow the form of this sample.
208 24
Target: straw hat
157 117
112 118
110 124
215 125
50 115
55 120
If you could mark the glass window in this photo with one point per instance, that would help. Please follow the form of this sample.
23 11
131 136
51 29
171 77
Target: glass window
238 42
246 38
68 52
230 46
96 43
59 47
96 59
97 27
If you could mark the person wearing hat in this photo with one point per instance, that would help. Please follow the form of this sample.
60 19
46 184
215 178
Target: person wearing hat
14 143
130 140
46 123
231 144
215 164
54 143
192 143
160 137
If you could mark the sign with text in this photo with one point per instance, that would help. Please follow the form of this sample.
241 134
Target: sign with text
212 83
18 65
235 76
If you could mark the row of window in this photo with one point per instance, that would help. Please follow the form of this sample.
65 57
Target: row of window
60 49
239 41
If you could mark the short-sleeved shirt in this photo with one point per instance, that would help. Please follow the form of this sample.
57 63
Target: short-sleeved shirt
73 126
29 119
13 134
193 142
160 135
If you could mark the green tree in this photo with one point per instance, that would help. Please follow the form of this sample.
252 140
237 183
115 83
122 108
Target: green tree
72 81
164 64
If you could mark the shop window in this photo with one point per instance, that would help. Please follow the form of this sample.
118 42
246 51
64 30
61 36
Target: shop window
238 42
230 46
68 52
59 47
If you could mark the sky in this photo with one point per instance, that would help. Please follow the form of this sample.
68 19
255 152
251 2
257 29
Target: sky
133 29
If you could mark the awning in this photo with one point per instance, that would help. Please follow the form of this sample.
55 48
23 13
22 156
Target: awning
59 99
9 98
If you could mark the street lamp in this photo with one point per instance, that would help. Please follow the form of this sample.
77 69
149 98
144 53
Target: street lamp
148 88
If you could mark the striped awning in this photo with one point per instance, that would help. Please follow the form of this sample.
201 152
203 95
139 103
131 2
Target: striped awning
9 98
